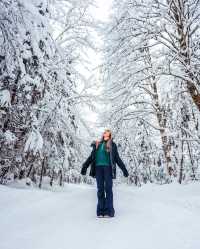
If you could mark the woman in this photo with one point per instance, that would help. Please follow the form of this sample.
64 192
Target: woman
103 159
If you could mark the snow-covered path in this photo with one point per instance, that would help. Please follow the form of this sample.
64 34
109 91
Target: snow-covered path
151 217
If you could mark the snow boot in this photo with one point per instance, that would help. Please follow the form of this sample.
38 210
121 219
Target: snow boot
100 216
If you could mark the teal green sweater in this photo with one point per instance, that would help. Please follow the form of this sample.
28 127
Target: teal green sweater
102 156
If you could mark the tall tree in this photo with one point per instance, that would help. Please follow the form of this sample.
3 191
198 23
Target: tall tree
144 63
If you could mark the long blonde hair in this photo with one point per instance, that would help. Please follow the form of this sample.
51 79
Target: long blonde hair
108 143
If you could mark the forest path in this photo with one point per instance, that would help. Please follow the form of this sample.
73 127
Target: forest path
150 217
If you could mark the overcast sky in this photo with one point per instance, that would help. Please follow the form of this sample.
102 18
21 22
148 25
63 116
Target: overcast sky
103 9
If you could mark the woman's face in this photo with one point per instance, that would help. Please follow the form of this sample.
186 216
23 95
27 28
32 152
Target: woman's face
106 135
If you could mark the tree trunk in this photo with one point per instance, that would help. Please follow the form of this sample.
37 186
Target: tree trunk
61 178
52 178
194 93
181 164
160 115
177 10
41 174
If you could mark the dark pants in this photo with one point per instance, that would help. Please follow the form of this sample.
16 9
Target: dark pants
104 190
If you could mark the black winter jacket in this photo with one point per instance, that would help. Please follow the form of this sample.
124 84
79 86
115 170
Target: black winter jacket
114 158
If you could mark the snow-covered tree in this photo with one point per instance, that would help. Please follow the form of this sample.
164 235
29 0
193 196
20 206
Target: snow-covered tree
40 133
144 62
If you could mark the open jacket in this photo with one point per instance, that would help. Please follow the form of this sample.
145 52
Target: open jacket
114 158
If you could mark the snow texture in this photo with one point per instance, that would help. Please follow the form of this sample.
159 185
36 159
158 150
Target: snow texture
5 98
151 217
34 142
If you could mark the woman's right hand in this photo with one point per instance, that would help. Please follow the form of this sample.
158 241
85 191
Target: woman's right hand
97 143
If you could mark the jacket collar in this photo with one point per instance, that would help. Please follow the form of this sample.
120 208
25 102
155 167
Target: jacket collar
93 144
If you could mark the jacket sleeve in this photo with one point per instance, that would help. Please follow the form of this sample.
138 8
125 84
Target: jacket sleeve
120 162
86 164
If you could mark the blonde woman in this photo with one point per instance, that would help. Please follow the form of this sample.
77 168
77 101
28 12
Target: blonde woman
103 159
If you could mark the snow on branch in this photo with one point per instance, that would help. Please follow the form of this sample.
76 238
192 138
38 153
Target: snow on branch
5 100
34 142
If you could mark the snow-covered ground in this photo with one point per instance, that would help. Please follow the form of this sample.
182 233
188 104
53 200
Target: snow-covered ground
150 217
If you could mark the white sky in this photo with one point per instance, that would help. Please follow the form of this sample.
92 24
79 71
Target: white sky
103 9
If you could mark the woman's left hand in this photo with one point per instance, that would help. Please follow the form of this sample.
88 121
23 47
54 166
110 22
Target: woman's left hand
125 173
